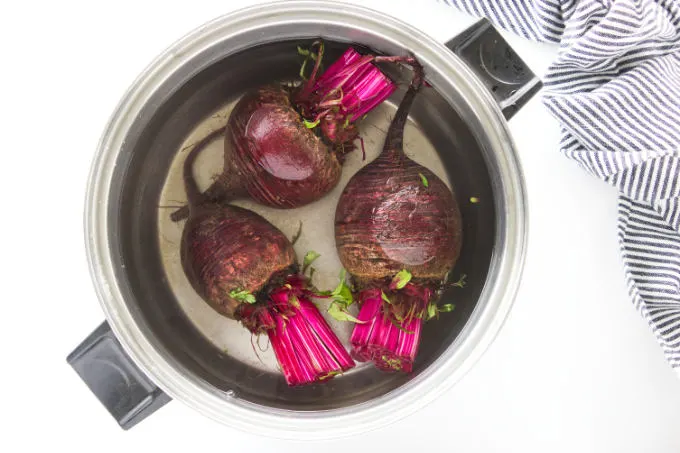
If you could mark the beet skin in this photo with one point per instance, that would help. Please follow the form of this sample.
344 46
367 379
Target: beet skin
398 232
280 162
222 250
387 220
245 268
284 146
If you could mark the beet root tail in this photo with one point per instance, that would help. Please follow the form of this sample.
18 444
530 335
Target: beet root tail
213 194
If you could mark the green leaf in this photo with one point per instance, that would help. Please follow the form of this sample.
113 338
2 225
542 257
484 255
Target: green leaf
461 282
242 296
309 259
329 375
342 277
302 69
395 364
343 293
423 179
431 311
401 279
341 315
384 297
344 126
311 125
446 308
311 273
306 53
344 296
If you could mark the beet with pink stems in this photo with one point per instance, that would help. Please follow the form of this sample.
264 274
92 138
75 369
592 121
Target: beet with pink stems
245 268
284 146
398 233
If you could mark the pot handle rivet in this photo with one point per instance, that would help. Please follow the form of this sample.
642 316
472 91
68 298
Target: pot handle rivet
116 381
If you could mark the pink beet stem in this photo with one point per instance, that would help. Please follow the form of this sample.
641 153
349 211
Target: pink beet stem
369 92
409 343
387 337
350 56
309 85
285 353
325 336
402 355
391 347
361 336
306 348
362 333
345 79
314 363
363 84
349 64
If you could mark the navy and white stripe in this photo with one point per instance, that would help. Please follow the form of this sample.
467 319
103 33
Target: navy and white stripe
615 89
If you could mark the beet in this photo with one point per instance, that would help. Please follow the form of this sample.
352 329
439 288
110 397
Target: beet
398 233
245 268
284 146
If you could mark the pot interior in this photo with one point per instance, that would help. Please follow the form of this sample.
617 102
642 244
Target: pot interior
146 244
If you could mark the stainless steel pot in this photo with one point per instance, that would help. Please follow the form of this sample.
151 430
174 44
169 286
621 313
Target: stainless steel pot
149 350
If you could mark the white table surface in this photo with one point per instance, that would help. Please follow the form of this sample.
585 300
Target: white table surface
574 369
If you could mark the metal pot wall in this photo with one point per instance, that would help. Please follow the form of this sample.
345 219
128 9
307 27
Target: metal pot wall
150 351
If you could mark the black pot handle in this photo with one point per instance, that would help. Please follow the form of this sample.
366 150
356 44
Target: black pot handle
114 378
491 58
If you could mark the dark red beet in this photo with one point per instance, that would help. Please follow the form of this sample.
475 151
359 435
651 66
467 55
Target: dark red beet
245 268
216 266
395 214
263 124
271 156
284 147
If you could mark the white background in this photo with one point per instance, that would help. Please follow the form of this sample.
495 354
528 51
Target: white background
574 369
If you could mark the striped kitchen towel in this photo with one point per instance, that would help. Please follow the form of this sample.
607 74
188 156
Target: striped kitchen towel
615 89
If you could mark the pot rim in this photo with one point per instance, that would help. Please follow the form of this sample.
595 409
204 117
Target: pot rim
479 332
